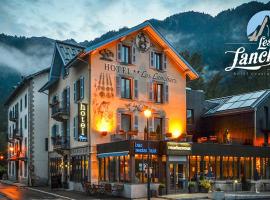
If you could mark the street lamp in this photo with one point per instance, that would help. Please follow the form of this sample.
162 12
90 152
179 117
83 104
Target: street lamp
148 114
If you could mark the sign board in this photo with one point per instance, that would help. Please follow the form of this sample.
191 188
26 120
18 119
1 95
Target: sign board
141 148
82 122
178 148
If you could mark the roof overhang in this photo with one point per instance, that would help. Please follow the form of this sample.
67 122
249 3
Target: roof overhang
157 37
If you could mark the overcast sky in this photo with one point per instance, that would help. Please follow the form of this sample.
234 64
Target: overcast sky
88 19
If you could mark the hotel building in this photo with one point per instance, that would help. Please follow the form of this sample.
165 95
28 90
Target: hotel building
97 127
28 131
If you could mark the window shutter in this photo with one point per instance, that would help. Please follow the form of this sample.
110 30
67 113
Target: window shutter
164 67
136 93
82 87
118 121
150 90
118 86
166 93
119 48
56 129
151 61
136 122
75 92
53 131
68 129
133 61
62 129
75 128
68 97
166 125
151 128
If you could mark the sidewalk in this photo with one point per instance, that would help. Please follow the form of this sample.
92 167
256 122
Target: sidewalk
187 196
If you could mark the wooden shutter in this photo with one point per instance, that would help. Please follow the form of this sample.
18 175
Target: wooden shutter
164 59
150 91
166 93
133 54
75 128
62 129
68 97
82 87
136 122
136 93
118 86
75 92
119 48
166 125
118 117
56 129
68 129
151 59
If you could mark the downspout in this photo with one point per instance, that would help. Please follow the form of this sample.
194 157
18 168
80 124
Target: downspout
255 125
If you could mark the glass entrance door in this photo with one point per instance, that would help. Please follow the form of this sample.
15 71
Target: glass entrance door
177 179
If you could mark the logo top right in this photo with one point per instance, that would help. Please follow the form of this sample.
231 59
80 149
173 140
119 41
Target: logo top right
258 25
255 54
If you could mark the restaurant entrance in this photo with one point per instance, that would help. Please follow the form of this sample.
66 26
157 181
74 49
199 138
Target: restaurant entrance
177 177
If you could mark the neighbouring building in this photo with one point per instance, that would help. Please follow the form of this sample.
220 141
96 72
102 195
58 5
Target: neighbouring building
28 131
97 96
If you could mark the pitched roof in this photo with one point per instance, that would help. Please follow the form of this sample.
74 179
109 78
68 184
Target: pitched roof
68 51
236 103
22 83
153 31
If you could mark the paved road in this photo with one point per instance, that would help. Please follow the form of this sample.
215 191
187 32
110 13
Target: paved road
10 192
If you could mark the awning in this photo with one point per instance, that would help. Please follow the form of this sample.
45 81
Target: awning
121 153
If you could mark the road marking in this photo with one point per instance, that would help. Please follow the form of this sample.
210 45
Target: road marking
49 193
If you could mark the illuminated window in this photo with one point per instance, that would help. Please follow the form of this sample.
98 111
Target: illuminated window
158 93
126 88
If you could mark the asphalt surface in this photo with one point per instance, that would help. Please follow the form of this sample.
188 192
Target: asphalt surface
11 192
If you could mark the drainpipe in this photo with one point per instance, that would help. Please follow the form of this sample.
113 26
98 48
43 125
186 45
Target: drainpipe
255 125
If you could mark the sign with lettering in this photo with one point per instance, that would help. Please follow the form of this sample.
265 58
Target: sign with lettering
141 148
124 70
178 148
82 122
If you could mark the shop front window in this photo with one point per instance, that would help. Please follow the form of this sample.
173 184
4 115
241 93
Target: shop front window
79 168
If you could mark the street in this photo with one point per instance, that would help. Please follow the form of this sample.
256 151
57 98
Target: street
16 193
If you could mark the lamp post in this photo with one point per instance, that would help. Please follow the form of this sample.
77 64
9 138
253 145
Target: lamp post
147 114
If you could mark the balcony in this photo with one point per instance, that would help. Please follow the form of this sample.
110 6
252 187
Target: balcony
13 116
60 113
17 134
60 143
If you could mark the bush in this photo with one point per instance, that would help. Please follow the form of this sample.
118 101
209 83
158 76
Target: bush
191 184
205 184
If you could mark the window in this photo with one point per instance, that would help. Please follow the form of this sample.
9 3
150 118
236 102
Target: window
25 122
21 105
125 54
125 122
157 61
25 100
25 168
266 116
190 116
158 94
79 89
126 88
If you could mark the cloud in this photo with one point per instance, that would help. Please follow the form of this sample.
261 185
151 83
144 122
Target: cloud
31 60
88 19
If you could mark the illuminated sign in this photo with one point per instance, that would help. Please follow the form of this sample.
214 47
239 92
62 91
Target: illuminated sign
141 148
82 122
182 148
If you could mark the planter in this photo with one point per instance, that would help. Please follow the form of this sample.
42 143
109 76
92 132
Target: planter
204 190
192 189
218 195
161 191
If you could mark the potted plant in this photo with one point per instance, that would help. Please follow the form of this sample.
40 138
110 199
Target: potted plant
161 189
205 185
218 194
191 186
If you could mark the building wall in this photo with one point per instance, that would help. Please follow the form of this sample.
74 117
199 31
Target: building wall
174 111
40 129
23 167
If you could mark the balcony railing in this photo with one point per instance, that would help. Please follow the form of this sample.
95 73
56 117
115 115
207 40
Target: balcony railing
13 116
61 143
60 113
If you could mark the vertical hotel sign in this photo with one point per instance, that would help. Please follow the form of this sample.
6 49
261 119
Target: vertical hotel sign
82 121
